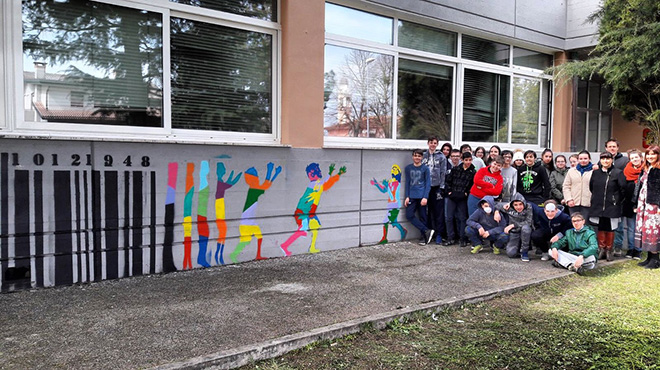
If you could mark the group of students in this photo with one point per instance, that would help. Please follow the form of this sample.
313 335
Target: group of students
513 200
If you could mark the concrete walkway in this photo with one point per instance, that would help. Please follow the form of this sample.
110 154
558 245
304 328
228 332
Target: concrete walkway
224 316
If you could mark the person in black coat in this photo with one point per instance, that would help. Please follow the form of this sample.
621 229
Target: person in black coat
607 186
457 188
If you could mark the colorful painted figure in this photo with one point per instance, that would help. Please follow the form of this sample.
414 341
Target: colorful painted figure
248 226
391 187
220 208
203 255
305 213
187 216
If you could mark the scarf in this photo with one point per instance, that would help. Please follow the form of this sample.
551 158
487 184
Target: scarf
583 169
632 173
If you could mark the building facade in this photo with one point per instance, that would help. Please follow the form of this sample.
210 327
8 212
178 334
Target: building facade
148 136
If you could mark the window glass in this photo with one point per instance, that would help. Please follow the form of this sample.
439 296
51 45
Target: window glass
604 98
605 128
485 51
578 143
526 96
594 95
91 63
425 96
260 9
592 133
358 93
582 94
355 23
221 78
546 112
531 59
415 36
485 106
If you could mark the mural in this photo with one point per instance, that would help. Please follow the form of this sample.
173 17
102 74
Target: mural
74 212
391 187
305 214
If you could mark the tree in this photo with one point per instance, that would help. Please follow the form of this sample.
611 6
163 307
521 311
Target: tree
626 57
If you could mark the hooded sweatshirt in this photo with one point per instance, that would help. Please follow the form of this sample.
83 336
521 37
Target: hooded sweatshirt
518 219
533 183
480 218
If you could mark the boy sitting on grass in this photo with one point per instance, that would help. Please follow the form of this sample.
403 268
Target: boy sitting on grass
482 226
520 215
577 250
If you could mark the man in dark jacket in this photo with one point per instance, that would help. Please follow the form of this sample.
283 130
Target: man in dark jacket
457 188
620 162
533 182
551 224
481 226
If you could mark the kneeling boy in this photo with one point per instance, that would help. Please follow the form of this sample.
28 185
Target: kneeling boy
520 216
578 249
481 226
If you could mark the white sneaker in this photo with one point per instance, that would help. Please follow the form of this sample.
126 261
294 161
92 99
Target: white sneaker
545 257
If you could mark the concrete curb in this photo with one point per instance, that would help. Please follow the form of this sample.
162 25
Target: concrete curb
245 355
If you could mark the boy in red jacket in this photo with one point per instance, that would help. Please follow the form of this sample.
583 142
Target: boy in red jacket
487 181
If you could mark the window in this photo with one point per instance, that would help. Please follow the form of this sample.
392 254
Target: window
531 59
485 107
112 53
415 36
358 87
99 64
349 22
592 119
485 51
425 100
526 96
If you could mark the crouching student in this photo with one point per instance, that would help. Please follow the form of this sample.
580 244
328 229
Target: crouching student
550 225
481 226
521 220
577 250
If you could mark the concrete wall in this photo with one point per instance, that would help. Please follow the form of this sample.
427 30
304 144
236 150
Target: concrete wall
579 33
75 212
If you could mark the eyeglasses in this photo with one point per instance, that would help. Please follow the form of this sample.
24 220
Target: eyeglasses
578 220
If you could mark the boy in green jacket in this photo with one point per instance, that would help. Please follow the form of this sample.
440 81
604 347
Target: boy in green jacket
578 249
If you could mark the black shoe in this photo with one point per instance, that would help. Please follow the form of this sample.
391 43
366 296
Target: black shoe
646 261
556 264
630 253
462 244
654 264
429 235
422 240
636 254
448 243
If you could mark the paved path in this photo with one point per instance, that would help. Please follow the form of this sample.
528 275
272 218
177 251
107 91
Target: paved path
163 319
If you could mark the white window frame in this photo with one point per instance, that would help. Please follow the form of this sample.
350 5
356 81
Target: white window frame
16 126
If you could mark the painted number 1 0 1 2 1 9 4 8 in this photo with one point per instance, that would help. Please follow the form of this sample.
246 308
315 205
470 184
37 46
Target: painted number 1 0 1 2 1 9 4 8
83 160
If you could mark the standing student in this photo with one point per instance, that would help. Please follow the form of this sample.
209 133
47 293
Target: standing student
492 153
533 182
632 171
547 160
509 177
436 161
487 181
418 186
577 195
573 160
457 187
607 190
557 178
518 159
619 161
476 161
648 209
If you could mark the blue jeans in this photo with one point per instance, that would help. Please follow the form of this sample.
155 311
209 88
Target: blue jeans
456 211
472 204
618 235
498 239
630 225
414 207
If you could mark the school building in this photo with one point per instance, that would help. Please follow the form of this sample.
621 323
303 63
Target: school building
148 136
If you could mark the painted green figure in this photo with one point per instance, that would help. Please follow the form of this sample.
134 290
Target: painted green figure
248 226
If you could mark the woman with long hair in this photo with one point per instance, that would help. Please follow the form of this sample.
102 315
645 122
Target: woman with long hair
546 159
607 191
492 153
632 171
577 195
648 209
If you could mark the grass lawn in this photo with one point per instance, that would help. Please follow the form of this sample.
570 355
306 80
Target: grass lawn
608 319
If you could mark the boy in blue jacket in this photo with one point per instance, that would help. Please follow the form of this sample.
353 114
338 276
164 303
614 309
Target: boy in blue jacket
481 226
551 225
418 185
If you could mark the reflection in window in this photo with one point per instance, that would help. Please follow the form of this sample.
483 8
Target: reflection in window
485 107
415 36
221 78
425 96
355 23
592 123
358 93
531 59
110 55
485 51
260 9
525 127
